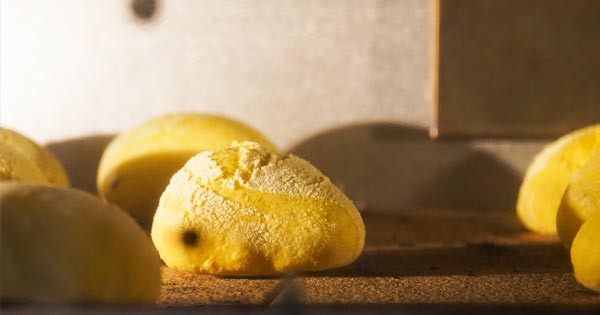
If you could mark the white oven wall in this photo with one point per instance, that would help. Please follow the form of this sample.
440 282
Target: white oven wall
343 83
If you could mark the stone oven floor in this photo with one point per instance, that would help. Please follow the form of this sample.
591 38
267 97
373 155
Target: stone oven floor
421 262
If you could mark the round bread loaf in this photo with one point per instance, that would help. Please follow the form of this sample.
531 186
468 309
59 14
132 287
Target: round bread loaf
248 211
580 201
548 176
14 166
64 245
585 253
21 159
136 166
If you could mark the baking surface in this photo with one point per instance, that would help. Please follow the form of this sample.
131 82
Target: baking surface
552 288
419 261
184 289
428 257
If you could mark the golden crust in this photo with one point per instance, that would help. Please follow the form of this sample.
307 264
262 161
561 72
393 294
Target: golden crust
255 212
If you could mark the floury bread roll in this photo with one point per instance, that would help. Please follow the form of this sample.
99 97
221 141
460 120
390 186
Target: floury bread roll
64 245
21 159
14 166
136 166
248 211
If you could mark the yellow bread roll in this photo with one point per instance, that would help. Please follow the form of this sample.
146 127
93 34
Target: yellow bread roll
580 201
585 253
21 159
248 211
137 165
548 176
64 245
17 167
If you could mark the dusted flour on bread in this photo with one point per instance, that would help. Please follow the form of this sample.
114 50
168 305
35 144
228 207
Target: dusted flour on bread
247 210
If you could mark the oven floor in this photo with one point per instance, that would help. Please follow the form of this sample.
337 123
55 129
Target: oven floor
425 257
419 262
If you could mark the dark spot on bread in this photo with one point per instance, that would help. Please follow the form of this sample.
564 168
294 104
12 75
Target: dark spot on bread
190 238
115 183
